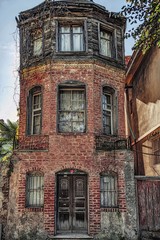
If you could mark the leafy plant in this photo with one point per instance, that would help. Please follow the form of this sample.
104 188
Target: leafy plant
144 16
8 134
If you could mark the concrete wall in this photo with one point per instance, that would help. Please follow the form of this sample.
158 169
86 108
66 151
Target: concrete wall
146 95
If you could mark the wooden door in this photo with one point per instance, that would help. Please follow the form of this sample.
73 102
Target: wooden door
71 203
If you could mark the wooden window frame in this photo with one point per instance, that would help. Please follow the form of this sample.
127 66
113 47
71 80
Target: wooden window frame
72 88
37 37
31 112
37 191
112 110
113 45
71 25
112 193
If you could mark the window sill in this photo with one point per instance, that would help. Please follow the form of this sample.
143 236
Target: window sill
109 209
34 209
71 53
71 133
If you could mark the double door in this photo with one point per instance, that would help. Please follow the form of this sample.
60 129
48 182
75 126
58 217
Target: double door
71 203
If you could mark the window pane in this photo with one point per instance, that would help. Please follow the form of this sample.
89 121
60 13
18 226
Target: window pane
107 112
108 191
65 126
37 47
65 29
37 101
105 43
78 100
71 38
106 35
78 127
72 107
36 123
77 30
65 100
65 42
77 39
65 116
35 195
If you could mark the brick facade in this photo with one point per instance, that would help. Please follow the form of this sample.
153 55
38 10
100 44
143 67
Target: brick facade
54 152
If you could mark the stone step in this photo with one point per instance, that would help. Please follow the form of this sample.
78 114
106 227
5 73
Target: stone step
72 236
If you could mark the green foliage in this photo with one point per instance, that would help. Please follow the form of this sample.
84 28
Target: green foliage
8 133
145 15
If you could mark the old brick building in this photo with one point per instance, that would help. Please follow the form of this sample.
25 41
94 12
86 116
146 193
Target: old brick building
73 171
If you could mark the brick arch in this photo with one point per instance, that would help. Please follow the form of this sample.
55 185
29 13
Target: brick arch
34 169
71 170
79 168
72 83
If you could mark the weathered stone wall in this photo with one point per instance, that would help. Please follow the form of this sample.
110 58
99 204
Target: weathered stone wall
4 192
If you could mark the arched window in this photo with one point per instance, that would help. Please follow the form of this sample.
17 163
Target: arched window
108 183
34 118
34 189
109 108
72 107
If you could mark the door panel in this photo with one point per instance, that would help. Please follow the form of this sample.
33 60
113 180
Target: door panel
79 202
72 203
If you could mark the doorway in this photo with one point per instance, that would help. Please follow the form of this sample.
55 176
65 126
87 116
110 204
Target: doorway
71 202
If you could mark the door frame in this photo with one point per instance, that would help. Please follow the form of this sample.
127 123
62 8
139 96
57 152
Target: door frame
70 171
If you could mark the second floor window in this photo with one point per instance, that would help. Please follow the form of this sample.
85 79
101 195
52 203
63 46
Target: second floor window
34 111
71 110
71 38
109 111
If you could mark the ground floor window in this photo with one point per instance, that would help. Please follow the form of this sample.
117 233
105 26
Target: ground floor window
108 185
34 190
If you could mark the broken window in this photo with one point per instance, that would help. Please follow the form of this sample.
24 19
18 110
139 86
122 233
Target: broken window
106 43
34 190
37 43
71 38
72 109
109 110
34 110
156 150
108 184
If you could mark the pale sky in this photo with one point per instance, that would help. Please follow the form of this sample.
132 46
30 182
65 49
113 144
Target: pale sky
9 52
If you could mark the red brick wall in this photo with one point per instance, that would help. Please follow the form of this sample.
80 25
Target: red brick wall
72 150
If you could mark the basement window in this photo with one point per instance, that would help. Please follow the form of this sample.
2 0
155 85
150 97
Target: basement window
34 190
71 109
108 185
34 111
71 38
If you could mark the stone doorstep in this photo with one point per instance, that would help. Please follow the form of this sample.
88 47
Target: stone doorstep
71 236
